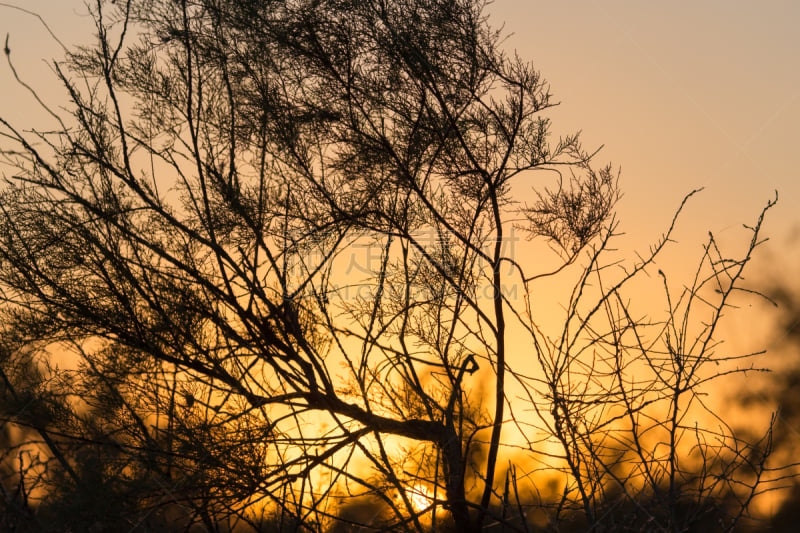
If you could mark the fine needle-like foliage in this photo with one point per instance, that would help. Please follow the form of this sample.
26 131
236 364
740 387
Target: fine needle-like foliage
265 273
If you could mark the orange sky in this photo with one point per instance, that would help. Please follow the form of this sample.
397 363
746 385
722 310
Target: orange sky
685 95
681 95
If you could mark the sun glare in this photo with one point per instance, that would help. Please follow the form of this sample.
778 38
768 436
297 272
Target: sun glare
419 497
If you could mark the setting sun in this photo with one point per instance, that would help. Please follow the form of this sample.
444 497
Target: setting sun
420 498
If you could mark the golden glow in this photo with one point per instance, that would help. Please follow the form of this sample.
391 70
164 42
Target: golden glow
420 498
673 117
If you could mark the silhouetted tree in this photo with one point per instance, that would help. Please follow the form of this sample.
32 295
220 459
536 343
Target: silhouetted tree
278 240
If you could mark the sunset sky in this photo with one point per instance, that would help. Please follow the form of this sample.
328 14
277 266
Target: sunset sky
685 95
681 95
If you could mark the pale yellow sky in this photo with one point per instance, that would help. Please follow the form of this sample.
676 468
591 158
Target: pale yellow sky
682 95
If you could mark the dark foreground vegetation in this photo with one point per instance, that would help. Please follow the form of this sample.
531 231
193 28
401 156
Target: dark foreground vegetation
287 265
